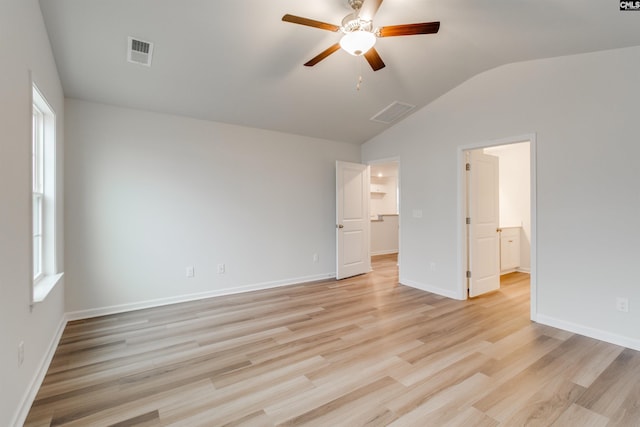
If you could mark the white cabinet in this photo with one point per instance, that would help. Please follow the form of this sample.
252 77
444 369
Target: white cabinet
384 200
509 249
377 188
378 185
384 235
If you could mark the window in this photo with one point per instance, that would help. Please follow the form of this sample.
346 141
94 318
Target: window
43 181
37 169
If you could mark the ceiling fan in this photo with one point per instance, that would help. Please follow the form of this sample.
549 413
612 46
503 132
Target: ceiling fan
359 33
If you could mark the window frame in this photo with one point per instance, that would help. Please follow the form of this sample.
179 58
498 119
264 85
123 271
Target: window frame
37 184
44 268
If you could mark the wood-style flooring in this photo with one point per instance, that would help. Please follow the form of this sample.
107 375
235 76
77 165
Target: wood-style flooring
361 351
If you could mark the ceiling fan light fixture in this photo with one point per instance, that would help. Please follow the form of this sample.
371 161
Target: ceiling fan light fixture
358 42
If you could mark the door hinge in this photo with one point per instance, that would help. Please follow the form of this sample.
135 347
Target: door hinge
468 274
468 166
468 220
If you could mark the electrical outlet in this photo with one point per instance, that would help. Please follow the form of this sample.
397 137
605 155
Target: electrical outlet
221 268
316 258
432 266
622 304
20 352
191 271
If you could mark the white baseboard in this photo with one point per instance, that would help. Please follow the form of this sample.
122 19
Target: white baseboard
30 395
598 334
515 270
114 309
430 288
389 252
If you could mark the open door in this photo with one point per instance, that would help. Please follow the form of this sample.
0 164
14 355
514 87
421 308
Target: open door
352 219
483 219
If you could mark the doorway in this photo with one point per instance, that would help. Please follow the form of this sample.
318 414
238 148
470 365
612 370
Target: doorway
508 244
384 208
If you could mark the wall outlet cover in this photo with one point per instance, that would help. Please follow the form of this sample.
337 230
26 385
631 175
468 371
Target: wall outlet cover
622 304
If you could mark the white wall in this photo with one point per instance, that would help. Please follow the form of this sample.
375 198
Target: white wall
583 110
150 194
515 199
24 47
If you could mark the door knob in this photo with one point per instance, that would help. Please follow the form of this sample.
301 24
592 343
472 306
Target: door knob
340 226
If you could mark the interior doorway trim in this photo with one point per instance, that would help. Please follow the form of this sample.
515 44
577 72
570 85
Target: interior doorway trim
462 244
395 159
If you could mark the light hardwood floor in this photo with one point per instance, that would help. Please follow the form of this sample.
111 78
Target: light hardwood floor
361 351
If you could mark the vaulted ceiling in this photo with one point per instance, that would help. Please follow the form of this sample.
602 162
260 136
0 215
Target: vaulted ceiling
238 62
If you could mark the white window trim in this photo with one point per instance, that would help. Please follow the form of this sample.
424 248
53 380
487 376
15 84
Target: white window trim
37 166
43 283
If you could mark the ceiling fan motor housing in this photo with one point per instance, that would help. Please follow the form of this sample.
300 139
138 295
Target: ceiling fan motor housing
351 23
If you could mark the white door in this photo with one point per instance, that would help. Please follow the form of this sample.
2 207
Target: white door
484 238
352 219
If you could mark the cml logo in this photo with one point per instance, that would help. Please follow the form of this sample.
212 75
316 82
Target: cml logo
629 5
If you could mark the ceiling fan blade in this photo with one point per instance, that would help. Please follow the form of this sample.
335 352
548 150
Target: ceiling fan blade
409 29
368 9
374 59
310 22
322 55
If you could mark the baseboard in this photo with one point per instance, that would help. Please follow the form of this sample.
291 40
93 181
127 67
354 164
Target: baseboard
515 270
122 308
36 382
589 332
430 288
389 252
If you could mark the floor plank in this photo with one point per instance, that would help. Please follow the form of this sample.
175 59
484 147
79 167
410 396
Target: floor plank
364 351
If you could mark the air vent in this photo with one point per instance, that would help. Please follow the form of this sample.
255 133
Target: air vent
139 51
392 112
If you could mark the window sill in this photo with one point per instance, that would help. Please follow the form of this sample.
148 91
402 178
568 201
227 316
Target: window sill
45 286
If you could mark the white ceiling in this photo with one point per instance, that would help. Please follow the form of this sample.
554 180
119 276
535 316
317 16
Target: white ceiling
235 61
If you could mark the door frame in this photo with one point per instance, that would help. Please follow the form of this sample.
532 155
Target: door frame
397 160
462 226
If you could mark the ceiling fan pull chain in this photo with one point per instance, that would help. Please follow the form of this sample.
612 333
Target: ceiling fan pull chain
359 82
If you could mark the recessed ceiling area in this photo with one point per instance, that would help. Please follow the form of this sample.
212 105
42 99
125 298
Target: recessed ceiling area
386 169
237 62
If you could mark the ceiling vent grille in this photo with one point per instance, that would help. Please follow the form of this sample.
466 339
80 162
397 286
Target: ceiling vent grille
392 112
139 51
